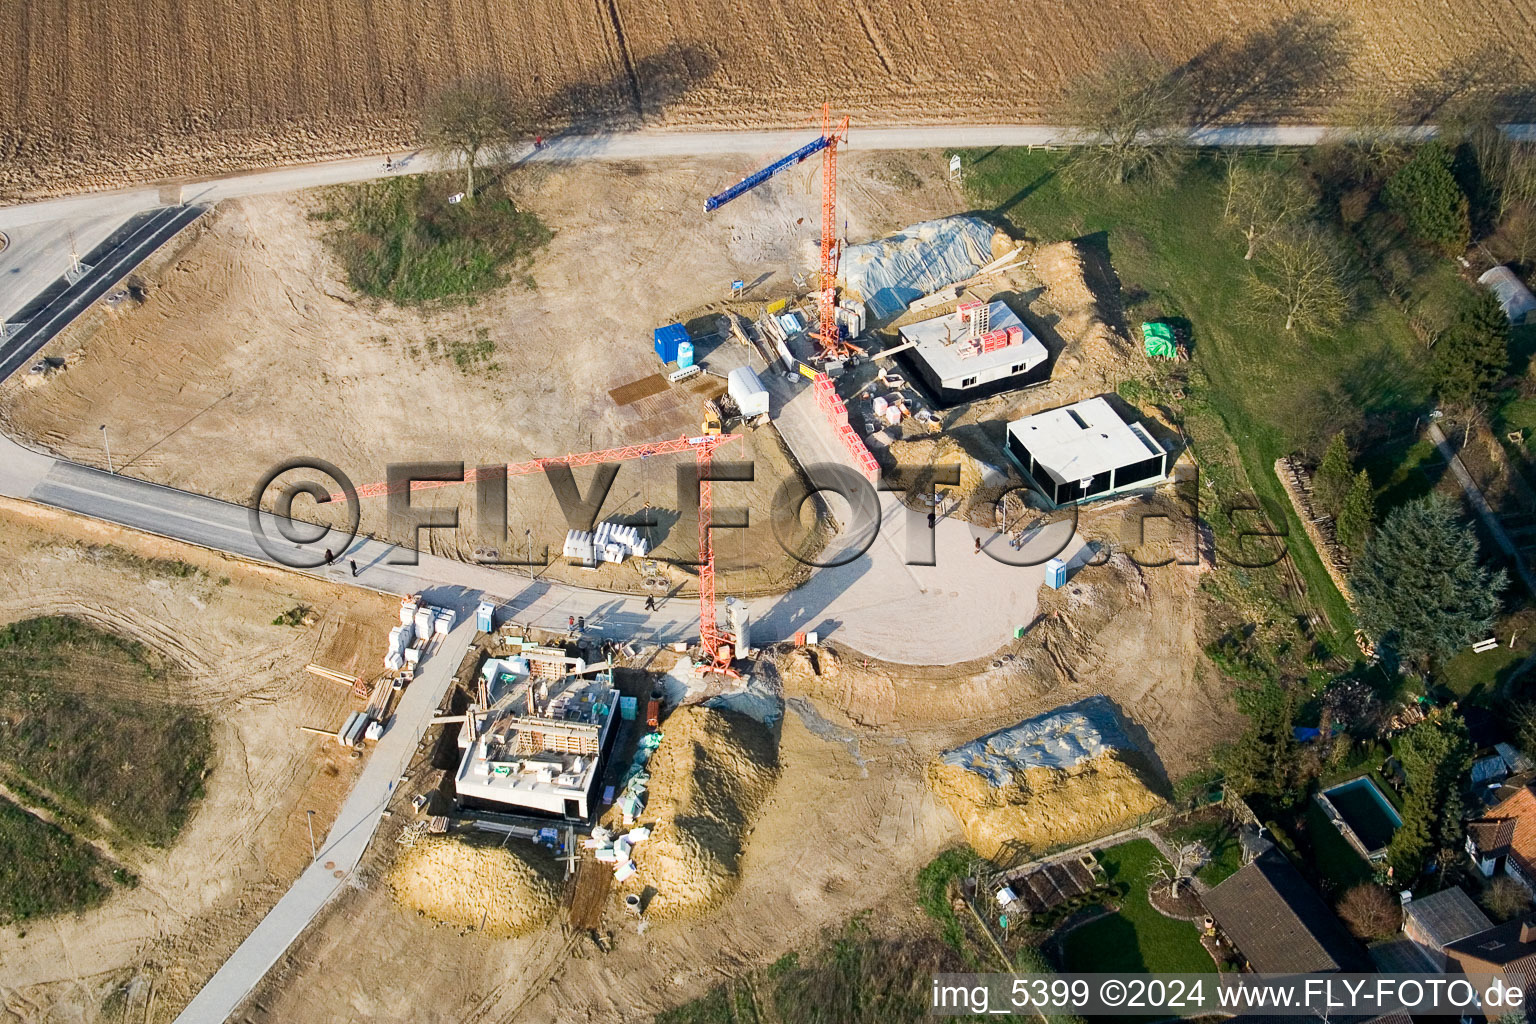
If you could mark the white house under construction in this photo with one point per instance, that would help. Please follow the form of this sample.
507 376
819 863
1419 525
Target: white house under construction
981 349
536 740
1086 450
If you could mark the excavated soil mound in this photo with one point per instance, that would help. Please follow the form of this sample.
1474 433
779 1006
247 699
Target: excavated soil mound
1084 325
710 775
462 881
1045 807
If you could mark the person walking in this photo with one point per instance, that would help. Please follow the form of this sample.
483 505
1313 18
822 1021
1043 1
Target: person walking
650 602
329 558
570 622
932 519
353 563
978 547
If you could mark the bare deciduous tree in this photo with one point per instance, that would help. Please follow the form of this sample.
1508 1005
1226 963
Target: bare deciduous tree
1262 200
1171 876
1132 115
1370 911
467 122
1300 278
1369 134
1505 898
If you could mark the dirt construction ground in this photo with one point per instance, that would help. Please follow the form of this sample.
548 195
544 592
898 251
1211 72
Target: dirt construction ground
99 96
147 949
844 828
250 349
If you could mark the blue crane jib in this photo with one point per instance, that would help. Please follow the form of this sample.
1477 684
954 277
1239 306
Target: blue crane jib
751 181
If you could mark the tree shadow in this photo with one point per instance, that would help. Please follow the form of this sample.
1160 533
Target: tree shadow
1270 71
1002 209
1487 83
1100 277
643 91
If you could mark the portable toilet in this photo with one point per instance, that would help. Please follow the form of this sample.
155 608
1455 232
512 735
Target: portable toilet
485 617
684 354
740 620
1055 573
667 340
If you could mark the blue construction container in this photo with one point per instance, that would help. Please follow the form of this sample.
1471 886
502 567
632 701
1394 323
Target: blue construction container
485 617
1055 574
684 354
668 339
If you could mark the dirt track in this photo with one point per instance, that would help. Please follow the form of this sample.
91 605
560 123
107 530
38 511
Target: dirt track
250 349
173 90
247 838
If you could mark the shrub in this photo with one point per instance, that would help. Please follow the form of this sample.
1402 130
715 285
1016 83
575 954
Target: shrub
1370 911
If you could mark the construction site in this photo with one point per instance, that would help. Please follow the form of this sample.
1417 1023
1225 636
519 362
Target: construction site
605 746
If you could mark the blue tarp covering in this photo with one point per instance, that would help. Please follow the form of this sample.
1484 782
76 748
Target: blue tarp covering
890 272
1057 739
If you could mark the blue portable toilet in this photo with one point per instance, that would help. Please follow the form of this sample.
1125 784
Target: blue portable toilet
668 339
485 617
684 354
1055 573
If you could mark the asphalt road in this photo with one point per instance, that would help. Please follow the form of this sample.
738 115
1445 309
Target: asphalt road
344 845
958 607
40 232
107 270
38 255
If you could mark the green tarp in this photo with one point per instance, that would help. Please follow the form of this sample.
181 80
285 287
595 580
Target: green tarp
1158 339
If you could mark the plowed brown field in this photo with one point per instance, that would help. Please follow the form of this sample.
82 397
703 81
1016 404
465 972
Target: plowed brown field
101 93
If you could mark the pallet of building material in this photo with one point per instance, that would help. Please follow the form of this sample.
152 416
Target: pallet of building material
589 894
329 673
378 702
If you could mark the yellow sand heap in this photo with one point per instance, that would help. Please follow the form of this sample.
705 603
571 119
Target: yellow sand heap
464 881
1063 777
711 774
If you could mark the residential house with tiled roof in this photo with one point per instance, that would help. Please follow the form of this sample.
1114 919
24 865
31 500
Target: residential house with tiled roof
1279 923
1438 920
1504 839
1506 951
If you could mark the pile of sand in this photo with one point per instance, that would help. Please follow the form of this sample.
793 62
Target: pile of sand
1044 807
1084 325
1066 776
462 881
709 777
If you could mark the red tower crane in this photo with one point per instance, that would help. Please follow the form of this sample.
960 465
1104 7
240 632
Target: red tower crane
714 640
826 331
831 248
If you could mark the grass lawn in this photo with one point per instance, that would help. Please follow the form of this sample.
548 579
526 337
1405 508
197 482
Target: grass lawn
1337 864
1136 938
1268 390
43 870
1474 677
400 239
1220 840
70 728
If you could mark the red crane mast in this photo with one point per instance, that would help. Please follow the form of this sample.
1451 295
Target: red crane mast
831 248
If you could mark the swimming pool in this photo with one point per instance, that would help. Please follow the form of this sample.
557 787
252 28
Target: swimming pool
1364 815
